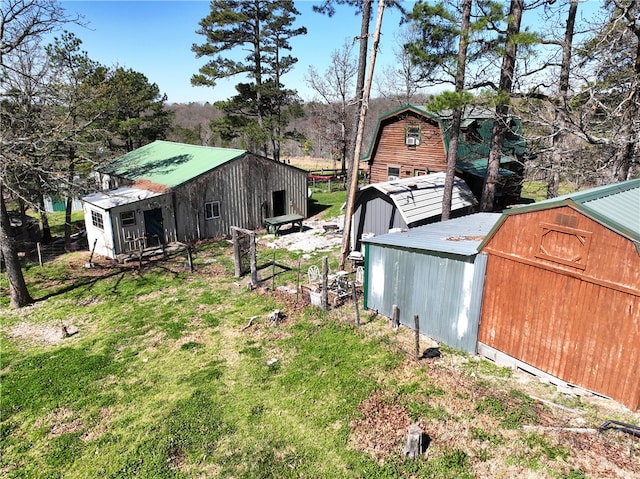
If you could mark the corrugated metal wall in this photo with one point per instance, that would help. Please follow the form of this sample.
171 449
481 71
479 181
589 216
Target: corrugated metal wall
244 188
375 214
445 291
580 324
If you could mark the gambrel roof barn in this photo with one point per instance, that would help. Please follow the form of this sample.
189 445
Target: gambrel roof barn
562 290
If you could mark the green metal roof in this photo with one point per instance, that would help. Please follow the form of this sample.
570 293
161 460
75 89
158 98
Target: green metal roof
616 206
479 167
168 163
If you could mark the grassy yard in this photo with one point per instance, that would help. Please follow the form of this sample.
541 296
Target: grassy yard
172 374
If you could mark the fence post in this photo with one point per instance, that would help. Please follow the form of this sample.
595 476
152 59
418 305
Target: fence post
355 303
324 300
395 317
39 254
253 260
416 321
236 253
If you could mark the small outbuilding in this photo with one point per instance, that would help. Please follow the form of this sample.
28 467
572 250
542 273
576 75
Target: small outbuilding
432 271
406 203
172 192
562 290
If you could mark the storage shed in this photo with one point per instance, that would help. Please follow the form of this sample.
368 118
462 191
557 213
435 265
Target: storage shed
405 203
433 271
166 192
562 290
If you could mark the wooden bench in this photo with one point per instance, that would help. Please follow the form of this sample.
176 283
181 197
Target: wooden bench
274 224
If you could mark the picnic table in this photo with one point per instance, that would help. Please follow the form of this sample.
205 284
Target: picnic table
274 223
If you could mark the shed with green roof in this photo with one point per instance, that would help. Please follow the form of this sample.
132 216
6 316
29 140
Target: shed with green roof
562 290
169 192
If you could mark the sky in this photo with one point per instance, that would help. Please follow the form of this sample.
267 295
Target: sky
155 38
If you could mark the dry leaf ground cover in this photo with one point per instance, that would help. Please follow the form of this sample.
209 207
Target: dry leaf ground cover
166 376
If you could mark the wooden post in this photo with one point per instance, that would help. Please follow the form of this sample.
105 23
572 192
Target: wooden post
414 441
355 303
298 284
416 321
236 253
273 271
190 258
395 317
141 252
39 253
324 300
254 259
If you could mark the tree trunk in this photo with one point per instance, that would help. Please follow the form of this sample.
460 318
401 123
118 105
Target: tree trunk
44 218
17 286
561 122
454 132
501 123
362 68
353 184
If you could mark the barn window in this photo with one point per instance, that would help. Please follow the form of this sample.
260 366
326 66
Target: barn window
564 245
211 210
413 134
96 219
420 172
128 218
393 173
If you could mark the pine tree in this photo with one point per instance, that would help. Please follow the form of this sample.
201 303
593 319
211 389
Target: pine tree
261 110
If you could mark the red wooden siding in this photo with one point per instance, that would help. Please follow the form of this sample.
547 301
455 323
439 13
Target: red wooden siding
390 149
579 323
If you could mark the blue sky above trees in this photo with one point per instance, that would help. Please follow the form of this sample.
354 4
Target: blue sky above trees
155 38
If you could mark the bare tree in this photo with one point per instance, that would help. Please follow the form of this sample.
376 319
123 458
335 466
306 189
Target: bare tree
402 81
335 90
22 25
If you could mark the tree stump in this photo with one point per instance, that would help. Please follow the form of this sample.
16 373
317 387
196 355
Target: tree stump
414 441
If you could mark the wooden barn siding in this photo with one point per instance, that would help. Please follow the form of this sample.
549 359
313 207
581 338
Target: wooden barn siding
241 187
391 150
580 326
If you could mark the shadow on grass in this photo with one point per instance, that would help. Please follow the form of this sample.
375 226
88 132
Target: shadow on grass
314 207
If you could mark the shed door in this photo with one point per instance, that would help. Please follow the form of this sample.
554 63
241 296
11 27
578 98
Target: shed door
279 203
153 226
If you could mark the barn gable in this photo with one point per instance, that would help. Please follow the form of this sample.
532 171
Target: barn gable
562 293
412 141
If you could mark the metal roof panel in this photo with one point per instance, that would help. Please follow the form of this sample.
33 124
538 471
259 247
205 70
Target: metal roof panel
168 163
457 236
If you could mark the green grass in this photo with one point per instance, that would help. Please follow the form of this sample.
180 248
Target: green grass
164 380
537 190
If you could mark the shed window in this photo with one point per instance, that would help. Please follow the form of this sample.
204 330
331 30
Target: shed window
393 173
413 134
128 218
211 210
96 219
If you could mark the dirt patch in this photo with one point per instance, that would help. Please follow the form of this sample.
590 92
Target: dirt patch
41 333
318 235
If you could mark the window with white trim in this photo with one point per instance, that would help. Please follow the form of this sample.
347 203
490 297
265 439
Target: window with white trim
413 134
393 173
211 210
97 220
128 218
